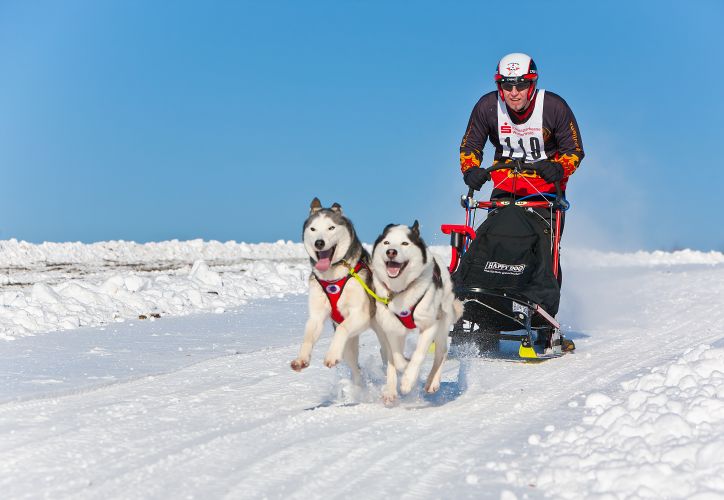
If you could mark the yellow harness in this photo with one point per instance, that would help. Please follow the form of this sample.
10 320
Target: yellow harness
356 276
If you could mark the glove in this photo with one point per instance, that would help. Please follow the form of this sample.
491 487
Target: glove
476 177
551 171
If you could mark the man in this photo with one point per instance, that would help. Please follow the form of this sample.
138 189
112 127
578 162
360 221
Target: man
524 124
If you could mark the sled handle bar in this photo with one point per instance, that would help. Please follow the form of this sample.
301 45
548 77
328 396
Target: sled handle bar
518 166
460 234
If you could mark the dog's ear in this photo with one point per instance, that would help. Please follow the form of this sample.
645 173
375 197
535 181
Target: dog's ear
336 207
315 206
415 228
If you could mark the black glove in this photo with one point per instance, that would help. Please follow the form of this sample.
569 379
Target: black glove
551 171
476 177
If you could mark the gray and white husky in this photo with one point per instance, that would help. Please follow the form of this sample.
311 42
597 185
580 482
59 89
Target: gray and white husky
420 295
333 248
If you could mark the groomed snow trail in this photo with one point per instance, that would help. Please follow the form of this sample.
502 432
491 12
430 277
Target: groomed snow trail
246 426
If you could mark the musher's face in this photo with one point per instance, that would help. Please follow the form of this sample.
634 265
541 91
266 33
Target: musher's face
517 100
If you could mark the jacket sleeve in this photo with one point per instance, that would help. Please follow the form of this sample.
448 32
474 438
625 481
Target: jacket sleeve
568 137
471 147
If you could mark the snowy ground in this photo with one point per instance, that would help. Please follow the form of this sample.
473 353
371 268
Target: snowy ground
201 403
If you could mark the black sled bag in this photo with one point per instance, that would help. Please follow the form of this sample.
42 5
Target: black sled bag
511 253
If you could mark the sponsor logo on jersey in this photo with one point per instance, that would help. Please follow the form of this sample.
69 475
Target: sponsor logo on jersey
498 268
505 128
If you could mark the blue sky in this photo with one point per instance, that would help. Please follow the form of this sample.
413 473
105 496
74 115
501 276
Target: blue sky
151 120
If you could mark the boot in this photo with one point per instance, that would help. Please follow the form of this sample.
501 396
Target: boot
567 345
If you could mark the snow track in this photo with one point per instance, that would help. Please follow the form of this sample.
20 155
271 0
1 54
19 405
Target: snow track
246 426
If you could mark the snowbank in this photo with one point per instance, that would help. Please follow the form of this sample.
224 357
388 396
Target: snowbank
593 258
15 253
56 286
662 436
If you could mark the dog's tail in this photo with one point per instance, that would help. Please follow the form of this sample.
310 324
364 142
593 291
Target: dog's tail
457 308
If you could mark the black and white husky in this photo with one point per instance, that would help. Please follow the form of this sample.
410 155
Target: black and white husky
333 248
420 295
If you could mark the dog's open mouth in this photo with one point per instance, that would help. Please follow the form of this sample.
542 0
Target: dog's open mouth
324 259
395 268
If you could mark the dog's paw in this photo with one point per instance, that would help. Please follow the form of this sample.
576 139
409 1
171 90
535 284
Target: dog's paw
406 385
389 397
299 365
330 362
432 388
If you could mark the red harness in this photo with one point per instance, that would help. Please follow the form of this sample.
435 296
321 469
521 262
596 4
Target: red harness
406 318
333 291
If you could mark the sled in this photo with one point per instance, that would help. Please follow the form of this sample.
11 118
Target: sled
493 313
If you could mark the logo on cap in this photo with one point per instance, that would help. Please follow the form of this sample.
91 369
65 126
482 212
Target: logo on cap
512 68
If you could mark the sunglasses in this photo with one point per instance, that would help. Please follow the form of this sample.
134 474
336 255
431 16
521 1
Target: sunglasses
518 86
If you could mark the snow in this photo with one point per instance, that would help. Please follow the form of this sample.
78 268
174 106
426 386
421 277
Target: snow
201 402
59 286
590 258
659 435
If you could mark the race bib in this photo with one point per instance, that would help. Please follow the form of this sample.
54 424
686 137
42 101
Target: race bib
523 141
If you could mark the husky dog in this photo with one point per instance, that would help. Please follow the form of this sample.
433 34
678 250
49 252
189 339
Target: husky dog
334 249
420 295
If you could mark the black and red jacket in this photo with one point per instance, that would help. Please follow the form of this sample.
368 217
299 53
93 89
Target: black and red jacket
562 140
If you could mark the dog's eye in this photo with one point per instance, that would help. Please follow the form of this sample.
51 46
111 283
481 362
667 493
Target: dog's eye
331 228
385 242
312 229
404 243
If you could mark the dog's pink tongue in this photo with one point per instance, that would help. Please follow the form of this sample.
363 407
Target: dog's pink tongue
324 260
323 264
393 269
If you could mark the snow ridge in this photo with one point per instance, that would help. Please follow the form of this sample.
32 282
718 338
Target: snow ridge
662 436
57 286
60 286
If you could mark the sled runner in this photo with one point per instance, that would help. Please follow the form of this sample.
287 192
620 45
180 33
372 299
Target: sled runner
507 272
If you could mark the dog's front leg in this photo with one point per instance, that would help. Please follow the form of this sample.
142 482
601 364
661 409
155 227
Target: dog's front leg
354 324
351 357
312 331
433 379
409 378
382 338
396 346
